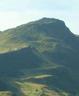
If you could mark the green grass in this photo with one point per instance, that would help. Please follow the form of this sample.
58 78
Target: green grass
42 76
5 93
34 89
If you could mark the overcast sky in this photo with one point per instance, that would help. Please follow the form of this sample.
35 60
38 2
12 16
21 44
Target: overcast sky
17 12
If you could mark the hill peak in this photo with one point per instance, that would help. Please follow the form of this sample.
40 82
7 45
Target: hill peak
46 20
44 27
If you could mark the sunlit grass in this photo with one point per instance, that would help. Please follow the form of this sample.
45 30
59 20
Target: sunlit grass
34 89
5 93
42 76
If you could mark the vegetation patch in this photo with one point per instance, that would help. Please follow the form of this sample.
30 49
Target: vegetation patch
5 93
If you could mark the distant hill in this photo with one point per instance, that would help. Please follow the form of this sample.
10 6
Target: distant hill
40 52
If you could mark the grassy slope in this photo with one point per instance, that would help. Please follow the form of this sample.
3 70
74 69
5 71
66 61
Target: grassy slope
32 89
57 47
5 93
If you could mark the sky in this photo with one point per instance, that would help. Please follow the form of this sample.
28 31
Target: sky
17 12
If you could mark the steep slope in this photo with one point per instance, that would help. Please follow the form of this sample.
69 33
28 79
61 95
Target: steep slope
13 62
43 52
44 29
48 36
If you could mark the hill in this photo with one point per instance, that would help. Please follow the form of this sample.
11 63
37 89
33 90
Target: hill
42 53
